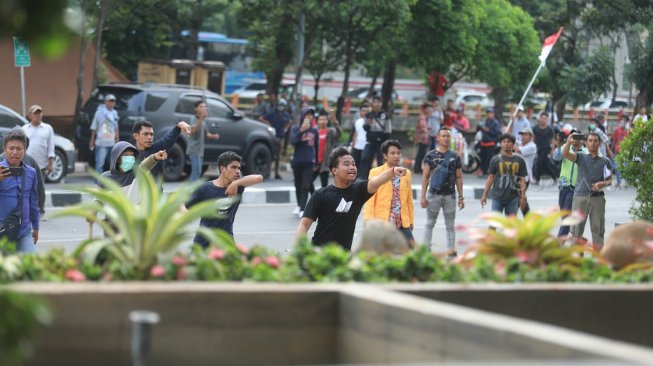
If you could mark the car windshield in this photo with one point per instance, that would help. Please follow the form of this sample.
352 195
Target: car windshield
597 103
256 86
126 99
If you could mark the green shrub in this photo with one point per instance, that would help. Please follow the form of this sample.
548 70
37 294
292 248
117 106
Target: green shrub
20 316
635 162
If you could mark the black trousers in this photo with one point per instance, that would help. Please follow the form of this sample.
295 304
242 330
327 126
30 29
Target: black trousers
542 166
487 152
421 153
303 175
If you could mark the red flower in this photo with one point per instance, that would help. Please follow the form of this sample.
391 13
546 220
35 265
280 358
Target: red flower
181 274
243 249
74 275
216 254
273 262
178 260
157 271
529 257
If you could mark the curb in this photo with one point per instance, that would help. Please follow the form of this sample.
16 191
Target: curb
252 195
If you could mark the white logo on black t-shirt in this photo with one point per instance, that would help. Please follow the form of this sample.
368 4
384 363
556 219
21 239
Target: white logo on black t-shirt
344 206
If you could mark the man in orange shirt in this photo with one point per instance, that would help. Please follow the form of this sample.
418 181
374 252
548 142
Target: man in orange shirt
393 202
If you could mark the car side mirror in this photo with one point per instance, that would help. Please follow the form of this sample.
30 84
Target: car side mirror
236 115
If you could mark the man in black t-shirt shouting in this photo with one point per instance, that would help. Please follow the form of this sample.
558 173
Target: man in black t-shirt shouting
337 206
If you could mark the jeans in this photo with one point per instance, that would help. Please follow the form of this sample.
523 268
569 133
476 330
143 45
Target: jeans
594 209
408 234
25 243
616 171
101 153
302 175
196 161
565 199
448 205
510 207
370 151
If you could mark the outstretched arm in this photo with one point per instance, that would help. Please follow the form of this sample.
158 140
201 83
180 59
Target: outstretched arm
246 181
376 182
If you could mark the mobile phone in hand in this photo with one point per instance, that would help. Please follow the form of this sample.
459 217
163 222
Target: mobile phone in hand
579 137
16 172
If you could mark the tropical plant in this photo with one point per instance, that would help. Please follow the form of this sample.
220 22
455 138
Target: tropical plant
138 234
635 161
528 241
20 316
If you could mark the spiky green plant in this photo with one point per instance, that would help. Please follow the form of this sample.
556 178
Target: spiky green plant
529 239
139 233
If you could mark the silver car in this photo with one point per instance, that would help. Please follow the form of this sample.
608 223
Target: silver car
65 154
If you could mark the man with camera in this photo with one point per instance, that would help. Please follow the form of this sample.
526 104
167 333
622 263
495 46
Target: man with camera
568 172
594 174
19 203
378 127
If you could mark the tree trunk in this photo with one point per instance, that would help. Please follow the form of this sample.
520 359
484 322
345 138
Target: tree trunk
82 60
317 78
283 50
499 95
345 84
104 8
389 76
370 90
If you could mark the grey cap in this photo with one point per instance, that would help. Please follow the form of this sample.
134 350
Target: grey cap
526 130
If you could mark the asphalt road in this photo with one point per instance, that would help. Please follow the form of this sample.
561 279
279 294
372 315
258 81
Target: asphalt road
273 225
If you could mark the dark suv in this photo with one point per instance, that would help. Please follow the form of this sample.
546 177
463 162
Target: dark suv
164 106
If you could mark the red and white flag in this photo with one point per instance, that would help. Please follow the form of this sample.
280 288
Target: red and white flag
548 45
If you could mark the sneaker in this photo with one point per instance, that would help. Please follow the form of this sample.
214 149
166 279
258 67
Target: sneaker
278 177
296 211
451 254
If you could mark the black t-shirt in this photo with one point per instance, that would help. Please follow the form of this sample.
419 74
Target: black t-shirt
434 158
507 175
336 211
543 138
209 191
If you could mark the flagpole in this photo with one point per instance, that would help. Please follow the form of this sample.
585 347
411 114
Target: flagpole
527 89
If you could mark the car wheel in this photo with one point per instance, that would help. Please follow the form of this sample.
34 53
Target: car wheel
259 160
59 167
174 167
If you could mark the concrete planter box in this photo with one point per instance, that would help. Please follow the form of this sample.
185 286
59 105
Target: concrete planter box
270 324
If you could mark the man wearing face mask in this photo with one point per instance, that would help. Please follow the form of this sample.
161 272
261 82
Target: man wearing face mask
280 120
123 160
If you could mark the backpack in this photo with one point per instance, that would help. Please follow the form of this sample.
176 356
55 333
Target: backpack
441 173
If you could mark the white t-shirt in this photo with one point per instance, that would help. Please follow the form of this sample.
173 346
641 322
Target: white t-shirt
517 126
528 153
361 134
644 117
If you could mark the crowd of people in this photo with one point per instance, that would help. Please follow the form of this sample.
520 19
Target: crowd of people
367 171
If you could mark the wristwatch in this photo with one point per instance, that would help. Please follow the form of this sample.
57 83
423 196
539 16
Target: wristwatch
461 198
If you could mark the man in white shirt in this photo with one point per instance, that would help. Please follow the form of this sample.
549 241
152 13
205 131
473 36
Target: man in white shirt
41 143
360 135
527 150
642 114
518 125
104 131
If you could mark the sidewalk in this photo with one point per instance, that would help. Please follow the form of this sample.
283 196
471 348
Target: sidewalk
270 191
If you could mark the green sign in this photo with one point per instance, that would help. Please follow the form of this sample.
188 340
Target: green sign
21 53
